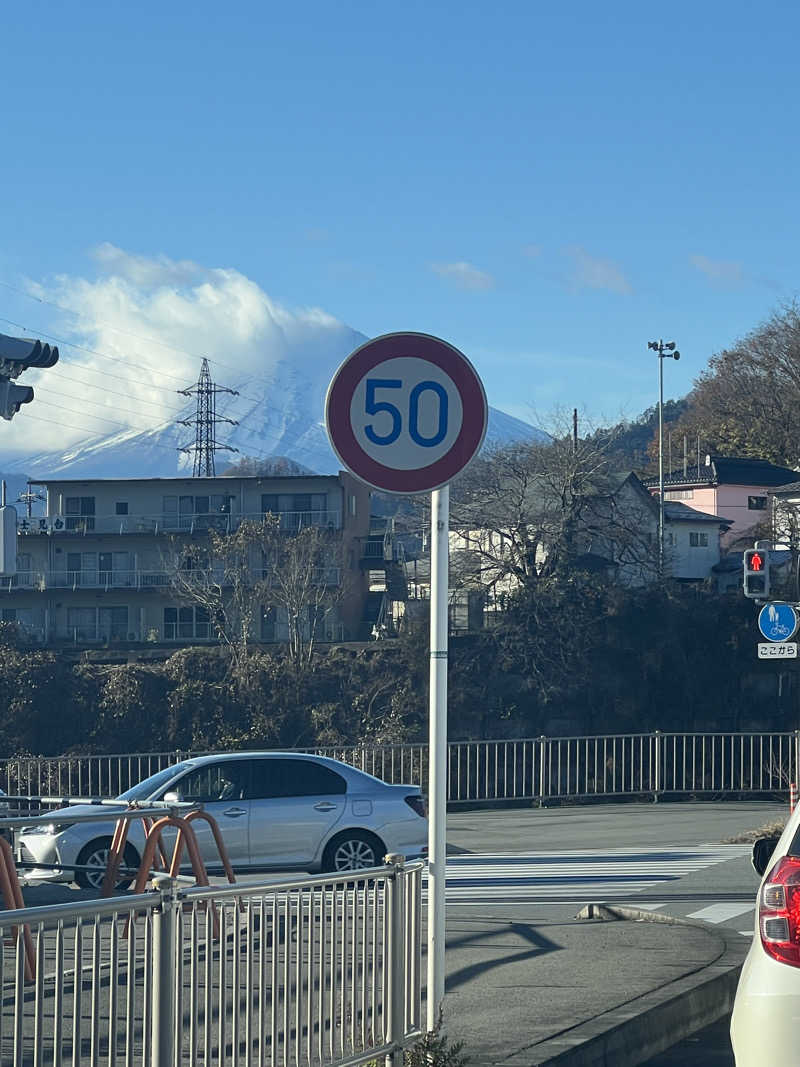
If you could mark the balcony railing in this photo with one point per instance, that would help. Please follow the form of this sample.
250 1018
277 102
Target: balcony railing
84 579
136 579
161 523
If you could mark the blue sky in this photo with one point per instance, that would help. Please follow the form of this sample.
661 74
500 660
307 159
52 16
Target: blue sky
547 188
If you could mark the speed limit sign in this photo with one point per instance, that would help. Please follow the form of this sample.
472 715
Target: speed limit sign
406 412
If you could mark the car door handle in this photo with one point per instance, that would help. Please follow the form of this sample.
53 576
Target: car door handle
234 813
325 805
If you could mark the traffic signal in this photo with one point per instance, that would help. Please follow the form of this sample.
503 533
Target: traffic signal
12 397
16 355
756 573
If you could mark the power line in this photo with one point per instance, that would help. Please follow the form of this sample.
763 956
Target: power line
81 348
94 403
34 331
110 392
118 329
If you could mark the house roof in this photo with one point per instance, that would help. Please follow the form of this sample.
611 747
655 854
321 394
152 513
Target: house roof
675 511
791 488
728 470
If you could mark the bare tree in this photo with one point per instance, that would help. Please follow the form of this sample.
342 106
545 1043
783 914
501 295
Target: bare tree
259 567
745 403
528 511
304 579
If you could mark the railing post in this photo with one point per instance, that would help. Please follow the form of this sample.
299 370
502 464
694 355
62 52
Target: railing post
542 754
794 772
395 962
657 769
164 1024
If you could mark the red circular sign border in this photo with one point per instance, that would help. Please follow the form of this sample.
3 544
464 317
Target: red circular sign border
337 412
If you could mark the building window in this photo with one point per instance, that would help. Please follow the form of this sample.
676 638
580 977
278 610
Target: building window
121 507
80 512
9 615
91 624
297 509
756 503
679 494
698 540
186 623
197 512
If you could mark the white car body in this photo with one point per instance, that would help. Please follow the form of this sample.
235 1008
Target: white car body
351 814
766 1013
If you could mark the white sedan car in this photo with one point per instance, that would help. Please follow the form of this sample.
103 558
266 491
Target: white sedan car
766 1012
276 811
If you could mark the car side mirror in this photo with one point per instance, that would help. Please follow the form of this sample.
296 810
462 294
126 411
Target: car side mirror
171 797
762 853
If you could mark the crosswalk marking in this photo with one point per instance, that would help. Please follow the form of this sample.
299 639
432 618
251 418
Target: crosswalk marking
720 913
575 875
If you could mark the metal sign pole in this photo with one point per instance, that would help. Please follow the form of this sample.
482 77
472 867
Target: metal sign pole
437 769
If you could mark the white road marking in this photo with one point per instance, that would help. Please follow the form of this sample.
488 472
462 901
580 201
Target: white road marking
720 913
577 875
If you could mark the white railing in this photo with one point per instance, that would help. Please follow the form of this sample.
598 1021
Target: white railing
319 971
162 523
527 769
136 579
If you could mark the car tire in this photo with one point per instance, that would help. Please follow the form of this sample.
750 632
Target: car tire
353 850
96 854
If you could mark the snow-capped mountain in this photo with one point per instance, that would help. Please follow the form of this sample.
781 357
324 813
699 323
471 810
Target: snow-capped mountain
280 414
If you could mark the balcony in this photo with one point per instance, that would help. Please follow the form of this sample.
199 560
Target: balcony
85 579
164 524
95 579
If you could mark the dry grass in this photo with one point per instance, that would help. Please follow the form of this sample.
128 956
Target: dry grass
770 829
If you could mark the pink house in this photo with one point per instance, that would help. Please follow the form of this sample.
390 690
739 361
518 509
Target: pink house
733 488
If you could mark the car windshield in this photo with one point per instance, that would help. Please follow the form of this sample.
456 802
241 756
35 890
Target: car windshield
147 788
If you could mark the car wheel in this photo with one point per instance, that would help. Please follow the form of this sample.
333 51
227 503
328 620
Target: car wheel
353 850
95 854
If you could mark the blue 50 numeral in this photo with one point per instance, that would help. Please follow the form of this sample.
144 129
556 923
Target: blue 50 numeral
375 407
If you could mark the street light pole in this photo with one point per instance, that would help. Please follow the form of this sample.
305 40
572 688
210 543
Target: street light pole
663 351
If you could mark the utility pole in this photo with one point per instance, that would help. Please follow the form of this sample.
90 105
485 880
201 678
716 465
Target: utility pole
663 351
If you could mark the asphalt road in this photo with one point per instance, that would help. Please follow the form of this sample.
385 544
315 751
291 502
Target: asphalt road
520 875
646 838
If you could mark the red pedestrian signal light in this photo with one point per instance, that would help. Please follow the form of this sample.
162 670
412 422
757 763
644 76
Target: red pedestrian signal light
756 574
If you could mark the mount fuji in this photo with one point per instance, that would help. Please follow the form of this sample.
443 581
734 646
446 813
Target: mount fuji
279 413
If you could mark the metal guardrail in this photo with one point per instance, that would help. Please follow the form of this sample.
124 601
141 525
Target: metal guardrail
322 971
531 769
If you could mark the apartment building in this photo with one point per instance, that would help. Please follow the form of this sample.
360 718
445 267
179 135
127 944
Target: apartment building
98 566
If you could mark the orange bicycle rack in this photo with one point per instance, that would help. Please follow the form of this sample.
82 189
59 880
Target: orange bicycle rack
12 898
157 860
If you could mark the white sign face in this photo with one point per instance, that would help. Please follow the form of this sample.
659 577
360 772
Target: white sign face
406 412
787 650
409 408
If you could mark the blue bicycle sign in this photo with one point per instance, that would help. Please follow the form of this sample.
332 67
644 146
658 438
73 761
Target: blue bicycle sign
777 621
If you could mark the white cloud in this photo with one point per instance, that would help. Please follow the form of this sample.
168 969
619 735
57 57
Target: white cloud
145 270
719 271
464 275
151 320
590 272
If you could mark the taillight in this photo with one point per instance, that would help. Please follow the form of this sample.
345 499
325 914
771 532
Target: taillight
779 911
417 803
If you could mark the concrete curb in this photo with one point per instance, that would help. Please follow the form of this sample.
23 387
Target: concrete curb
636 1031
